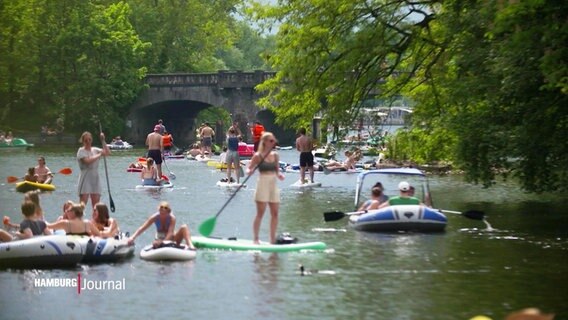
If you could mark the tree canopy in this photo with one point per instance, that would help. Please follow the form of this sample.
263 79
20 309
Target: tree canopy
489 78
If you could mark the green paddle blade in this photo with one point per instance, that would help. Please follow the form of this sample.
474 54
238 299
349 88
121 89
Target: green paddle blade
206 228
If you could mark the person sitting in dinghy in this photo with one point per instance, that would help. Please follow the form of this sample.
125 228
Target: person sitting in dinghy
404 198
107 226
31 176
377 198
75 225
29 227
165 223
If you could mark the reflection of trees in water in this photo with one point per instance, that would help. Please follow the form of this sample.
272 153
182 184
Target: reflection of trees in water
267 269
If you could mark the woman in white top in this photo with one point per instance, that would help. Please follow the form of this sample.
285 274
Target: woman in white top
88 158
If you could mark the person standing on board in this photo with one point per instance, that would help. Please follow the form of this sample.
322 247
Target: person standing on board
168 141
257 130
155 145
305 146
232 158
162 127
88 158
207 134
266 160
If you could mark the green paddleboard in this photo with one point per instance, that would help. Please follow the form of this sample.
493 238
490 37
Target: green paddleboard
248 245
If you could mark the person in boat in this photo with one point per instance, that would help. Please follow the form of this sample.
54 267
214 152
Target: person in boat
404 198
168 141
348 164
33 196
304 145
377 198
9 137
43 172
165 222
74 224
29 227
107 226
149 174
267 192
68 204
31 176
88 157
232 158
156 148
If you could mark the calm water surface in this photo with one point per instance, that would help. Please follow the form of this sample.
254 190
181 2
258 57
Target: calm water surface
467 271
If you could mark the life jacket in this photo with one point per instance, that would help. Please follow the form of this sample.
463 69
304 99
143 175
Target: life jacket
167 140
257 132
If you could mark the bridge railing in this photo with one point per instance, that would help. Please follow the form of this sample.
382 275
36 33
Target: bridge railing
223 79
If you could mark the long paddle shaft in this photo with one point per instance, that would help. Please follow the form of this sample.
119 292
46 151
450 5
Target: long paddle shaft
112 208
171 174
206 228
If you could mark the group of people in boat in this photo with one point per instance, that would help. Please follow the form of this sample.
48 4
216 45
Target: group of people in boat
379 200
40 173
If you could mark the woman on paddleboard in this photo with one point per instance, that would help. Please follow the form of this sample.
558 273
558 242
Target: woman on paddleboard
88 158
266 160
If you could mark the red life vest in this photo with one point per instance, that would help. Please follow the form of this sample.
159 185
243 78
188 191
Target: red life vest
167 140
257 132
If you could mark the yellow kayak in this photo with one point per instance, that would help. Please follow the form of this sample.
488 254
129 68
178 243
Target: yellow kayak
26 186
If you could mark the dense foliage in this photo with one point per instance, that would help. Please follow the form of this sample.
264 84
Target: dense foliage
489 77
85 60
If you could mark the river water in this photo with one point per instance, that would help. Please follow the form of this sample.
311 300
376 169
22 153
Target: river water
471 269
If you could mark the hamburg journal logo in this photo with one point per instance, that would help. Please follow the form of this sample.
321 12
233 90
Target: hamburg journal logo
81 284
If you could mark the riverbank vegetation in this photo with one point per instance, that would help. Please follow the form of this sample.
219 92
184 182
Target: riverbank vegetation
489 78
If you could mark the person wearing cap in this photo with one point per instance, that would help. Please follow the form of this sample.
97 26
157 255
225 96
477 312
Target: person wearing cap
155 145
404 198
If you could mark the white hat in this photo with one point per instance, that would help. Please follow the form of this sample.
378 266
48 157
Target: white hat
403 186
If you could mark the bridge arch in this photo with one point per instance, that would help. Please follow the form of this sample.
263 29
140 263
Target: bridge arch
178 98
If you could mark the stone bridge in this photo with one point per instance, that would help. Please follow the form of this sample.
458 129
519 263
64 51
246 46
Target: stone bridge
178 98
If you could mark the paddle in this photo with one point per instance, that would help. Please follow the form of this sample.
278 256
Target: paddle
471 214
171 174
112 208
206 228
337 215
65 171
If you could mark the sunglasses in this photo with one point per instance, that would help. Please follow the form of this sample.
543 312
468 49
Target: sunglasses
271 140
165 207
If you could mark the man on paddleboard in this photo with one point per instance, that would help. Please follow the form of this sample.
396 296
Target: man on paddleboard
155 148
304 145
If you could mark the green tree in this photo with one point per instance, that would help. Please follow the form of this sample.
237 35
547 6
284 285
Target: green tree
489 78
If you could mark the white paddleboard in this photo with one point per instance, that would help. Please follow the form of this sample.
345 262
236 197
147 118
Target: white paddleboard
165 185
230 184
299 184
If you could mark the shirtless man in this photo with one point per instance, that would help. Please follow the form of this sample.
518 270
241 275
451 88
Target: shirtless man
155 148
43 172
207 134
305 146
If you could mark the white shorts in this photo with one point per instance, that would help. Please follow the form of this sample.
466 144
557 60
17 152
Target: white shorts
266 189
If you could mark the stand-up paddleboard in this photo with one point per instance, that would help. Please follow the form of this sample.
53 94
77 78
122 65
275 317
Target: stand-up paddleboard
248 245
164 185
306 184
25 186
230 184
169 251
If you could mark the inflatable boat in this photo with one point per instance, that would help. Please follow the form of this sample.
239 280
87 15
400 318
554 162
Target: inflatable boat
165 185
403 218
41 252
169 251
25 186
101 250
